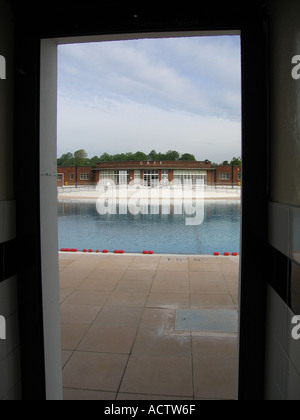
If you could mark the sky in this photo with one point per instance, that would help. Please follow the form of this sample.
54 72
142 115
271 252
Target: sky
180 94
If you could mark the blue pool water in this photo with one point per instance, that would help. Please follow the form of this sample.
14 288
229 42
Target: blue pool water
81 226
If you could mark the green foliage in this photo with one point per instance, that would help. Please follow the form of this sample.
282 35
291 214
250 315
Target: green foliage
187 157
236 161
80 158
66 159
139 156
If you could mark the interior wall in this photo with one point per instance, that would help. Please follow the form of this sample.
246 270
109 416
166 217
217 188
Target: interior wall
284 102
282 350
10 371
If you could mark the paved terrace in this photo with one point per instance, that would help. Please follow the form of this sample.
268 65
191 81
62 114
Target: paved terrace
148 327
83 193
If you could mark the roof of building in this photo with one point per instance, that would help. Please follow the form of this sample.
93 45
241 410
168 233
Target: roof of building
155 165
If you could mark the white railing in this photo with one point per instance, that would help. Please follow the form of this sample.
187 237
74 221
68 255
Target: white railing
208 192
223 188
216 188
72 188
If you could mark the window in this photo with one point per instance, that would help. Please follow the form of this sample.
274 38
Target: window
123 177
239 176
71 177
117 177
84 177
164 175
190 177
151 178
224 176
59 177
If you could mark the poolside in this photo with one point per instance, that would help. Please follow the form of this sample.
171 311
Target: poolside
84 193
133 326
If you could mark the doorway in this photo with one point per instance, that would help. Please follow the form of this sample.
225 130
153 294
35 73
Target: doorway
168 289
254 217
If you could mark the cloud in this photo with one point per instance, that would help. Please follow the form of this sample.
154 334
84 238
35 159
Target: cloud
147 94
128 127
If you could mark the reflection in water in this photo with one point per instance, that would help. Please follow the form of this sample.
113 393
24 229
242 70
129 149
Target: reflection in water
172 227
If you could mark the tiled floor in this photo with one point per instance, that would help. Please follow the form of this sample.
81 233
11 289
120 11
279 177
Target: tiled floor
118 318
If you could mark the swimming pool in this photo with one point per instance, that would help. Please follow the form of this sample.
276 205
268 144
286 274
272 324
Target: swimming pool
81 226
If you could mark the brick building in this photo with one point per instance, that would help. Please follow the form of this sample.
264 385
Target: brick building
228 175
150 172
75 175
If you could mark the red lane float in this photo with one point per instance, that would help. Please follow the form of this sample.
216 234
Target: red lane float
234 254
116 251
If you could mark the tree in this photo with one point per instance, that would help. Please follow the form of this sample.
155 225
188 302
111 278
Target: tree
105 157
80 157
139 157
187 157
119 158
129 156
65 159
236 161
172 155
93 161
153 156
